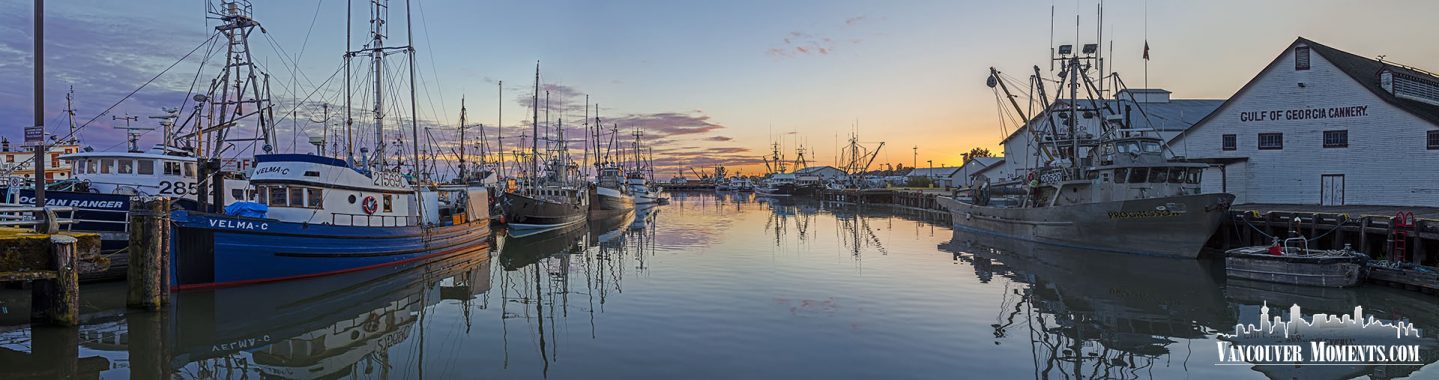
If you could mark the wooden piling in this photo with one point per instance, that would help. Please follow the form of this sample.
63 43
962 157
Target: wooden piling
1364 234
148 286
56 300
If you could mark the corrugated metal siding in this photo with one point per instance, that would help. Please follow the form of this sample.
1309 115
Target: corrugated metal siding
1386 162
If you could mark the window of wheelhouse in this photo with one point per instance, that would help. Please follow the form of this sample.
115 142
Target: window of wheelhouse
1176 175
314 198
1195 174
1158 175
1137 175
81 165
172 168
189 169
126 166
388 207
297 196
146 167
277 195
1120 175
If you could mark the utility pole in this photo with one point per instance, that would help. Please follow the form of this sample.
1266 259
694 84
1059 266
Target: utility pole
39 112
915 163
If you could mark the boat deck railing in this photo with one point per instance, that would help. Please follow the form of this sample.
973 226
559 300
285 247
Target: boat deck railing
369 220
19 215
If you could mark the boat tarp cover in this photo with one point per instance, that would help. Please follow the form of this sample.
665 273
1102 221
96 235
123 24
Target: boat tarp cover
247 209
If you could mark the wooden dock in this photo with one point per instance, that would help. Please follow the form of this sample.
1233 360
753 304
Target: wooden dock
51 264
919 200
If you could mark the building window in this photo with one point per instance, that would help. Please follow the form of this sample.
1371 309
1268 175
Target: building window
1301 58
1336 139
1271 141
1231 142
1432 140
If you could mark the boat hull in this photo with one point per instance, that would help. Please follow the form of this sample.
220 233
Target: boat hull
523 212
1322 271
606 202
210 250
1174 227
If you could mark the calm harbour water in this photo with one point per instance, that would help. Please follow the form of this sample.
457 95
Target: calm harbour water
709 286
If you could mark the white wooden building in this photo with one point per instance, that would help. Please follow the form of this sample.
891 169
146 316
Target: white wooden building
965 175
1151 109
1323 126
827 173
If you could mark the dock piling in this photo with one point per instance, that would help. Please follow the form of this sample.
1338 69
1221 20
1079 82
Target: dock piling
149 233
56 300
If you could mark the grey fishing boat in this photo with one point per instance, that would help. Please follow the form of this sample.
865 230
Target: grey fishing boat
1112 187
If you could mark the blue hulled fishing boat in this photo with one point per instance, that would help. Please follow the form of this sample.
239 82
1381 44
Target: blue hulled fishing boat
314 214
321 217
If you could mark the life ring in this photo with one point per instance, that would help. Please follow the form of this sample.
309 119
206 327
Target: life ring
369 205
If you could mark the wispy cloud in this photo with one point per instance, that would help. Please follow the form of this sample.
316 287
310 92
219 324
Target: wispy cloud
802 43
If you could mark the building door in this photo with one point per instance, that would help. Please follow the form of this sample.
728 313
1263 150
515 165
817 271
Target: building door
1331 190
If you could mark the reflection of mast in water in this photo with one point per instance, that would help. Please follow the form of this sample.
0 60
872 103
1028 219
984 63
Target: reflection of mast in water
856 234
1082 322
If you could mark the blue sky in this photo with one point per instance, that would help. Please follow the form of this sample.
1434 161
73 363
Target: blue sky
716 81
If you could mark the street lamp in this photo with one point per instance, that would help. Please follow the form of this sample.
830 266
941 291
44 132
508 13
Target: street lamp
931 173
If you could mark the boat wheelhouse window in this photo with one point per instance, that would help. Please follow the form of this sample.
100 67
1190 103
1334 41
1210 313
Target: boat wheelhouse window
314 198
126 166
1120 175
189 169
297 196
277 196
1194 175
387 206
1158 175
1151 147
1136 175
172 168
1176 175
105 165
1128 147
145 167
262 194
237 194
80 166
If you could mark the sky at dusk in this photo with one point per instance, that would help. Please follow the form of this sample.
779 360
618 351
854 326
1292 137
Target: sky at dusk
711 82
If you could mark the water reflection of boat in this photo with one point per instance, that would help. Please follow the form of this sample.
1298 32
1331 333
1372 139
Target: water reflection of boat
1109 315
314 328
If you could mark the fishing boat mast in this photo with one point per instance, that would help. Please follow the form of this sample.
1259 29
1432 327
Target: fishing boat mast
535 134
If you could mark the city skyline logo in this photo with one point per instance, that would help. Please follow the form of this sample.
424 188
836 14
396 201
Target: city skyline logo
1322 339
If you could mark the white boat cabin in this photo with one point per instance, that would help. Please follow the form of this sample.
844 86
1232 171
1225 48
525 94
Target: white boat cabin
321 190
153 173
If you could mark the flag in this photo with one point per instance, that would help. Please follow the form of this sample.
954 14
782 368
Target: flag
1146 50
